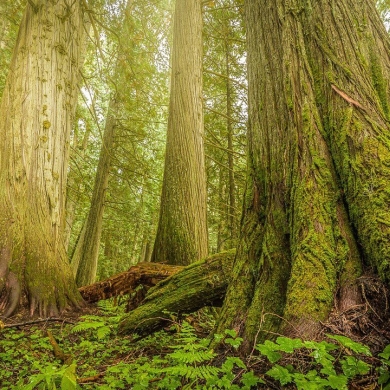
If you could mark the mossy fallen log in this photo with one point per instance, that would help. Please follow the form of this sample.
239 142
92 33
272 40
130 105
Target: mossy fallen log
200 284
146 274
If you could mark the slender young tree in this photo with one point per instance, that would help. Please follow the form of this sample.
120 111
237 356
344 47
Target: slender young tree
182 230
36 113
317 196
225 121
86 253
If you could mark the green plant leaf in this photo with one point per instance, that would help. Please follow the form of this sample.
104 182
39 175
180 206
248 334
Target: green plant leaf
269 349
235 343
384 376
338 382
281 374
249 379
231 332
289 345
351 345
352 367
385 354
69 380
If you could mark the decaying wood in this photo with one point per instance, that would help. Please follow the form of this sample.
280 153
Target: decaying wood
200 284
146 274
66 358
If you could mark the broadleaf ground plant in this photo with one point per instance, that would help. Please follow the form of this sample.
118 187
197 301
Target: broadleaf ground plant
179 357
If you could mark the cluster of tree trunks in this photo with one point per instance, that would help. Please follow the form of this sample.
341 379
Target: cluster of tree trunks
316 208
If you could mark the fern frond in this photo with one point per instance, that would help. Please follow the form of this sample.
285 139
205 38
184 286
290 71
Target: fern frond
83 326
193 357
103 332
107 305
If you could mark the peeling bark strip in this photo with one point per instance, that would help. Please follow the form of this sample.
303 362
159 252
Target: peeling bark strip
146 274
347 98
200 284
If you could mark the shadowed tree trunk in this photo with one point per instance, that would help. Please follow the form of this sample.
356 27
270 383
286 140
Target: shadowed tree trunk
317 194
182 229
36 113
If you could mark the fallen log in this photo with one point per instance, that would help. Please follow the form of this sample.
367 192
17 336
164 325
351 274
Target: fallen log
200 284
146 274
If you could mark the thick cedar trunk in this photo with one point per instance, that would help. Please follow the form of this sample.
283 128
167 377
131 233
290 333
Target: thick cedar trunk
36 112
182 230
319 164
145 274
200 284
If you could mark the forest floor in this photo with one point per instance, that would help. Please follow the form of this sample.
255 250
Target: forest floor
83 351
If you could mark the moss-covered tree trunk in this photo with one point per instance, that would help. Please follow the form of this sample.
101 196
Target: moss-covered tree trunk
36 114
317 196
202 283
182 230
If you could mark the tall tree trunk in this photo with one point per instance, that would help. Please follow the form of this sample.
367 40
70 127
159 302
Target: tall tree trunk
75 180
230 135
36 114
182 229
86 253
319 164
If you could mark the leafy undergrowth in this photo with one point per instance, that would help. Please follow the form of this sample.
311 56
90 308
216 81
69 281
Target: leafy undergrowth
90 355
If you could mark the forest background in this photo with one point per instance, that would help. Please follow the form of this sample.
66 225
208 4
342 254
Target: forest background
135 66
118 132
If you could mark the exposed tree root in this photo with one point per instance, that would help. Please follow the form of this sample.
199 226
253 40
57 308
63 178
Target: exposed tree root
65 358
11 295
367 322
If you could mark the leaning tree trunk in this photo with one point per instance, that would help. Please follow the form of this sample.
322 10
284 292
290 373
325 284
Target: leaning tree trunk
36 113
182 229
86 253
317 194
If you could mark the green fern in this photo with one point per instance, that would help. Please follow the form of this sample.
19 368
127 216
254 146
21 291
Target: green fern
108 306
86 325
103 325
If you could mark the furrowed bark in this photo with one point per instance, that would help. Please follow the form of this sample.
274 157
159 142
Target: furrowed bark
200 284
182 235
319 157
36 113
